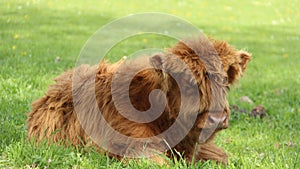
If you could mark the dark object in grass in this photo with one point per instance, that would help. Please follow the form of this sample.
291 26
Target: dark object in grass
54 118
237 109
259 110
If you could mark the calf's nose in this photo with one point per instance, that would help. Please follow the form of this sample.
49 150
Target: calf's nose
221 122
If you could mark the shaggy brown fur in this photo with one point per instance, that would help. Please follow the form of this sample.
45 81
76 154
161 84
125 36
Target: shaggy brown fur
53 116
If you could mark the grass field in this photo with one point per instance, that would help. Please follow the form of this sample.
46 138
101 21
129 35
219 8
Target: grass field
33 33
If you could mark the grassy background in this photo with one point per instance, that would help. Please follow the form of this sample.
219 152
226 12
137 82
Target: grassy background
33 33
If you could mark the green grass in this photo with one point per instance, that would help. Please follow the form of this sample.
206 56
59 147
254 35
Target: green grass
33 33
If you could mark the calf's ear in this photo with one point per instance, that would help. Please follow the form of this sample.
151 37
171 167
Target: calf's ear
157 60
167 63
236 69
245 58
